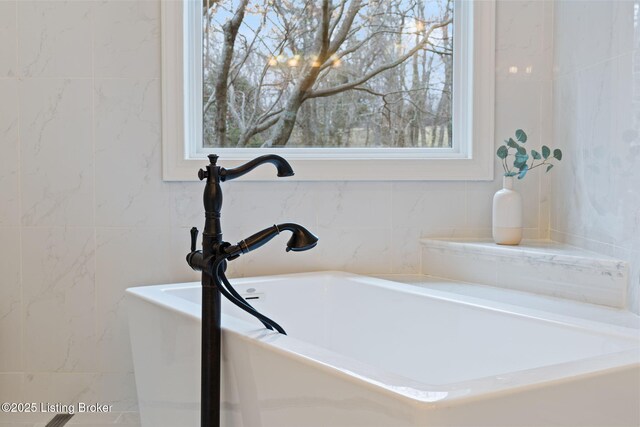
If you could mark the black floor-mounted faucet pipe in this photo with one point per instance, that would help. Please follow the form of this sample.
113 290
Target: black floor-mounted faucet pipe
212 262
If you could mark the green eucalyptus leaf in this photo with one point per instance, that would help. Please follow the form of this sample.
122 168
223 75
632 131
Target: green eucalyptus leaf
510 173
511 143
502 152
549 168
535 155
520 159
521 150
521 136
557 153
523 172
545 151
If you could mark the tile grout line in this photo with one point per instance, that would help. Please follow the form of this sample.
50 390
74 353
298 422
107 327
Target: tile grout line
98 358
20 210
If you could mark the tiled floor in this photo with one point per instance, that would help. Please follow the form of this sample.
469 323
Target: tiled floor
112 419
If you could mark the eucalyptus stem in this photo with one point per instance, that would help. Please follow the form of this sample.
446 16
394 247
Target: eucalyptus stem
521 157
544 162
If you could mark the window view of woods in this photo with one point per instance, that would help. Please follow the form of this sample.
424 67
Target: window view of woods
327 73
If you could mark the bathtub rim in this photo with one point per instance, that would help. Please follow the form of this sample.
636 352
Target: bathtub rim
397 386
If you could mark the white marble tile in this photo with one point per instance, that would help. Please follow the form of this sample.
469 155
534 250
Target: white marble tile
59 299
440 263
93 418
479 202
358 250
11 390
633 295
425 205
115 389
518 107
187 209
563 198
595 174
9 153
597 136
128 157
56 152
589 32
520 40
128 418
126 257
547 180
595 203
253 206
354 204
405 250
127 39
624 152
67 388
11 355
54 38
8 39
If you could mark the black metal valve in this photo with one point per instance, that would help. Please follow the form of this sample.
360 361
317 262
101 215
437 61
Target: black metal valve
194 238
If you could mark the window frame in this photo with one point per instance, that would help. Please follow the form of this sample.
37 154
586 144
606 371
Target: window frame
473 122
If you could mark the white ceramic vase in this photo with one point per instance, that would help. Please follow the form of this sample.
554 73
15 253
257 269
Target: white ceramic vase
507 214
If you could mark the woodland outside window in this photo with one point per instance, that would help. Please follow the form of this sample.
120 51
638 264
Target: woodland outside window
341 88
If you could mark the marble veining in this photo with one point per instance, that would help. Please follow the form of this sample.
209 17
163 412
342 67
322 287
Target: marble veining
127 134
535 252
9 154
596 199
55 38
542 267
127 39
8 28
59 294
57 150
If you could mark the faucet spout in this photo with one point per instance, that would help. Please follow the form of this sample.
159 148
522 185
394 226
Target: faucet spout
284 168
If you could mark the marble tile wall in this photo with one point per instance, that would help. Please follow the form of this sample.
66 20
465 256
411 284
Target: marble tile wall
84 212
596 121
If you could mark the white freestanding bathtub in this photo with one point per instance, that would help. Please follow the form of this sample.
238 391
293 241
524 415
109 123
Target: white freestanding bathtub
369 352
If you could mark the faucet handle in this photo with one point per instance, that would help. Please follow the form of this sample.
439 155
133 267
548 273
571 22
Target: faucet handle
194 238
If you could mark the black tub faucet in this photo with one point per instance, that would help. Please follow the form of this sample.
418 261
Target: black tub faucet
212 262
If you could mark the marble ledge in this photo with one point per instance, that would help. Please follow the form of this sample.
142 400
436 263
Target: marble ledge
534 252
536 266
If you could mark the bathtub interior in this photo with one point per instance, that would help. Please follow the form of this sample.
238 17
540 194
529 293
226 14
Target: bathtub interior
404 331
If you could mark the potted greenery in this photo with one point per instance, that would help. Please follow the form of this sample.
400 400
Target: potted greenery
507 203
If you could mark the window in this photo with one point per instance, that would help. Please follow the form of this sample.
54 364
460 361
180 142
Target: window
390 90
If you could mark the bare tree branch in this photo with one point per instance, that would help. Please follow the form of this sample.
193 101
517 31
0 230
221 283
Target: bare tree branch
341 36
369 76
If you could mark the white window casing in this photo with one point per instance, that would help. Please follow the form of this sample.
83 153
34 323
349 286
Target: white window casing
472 157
